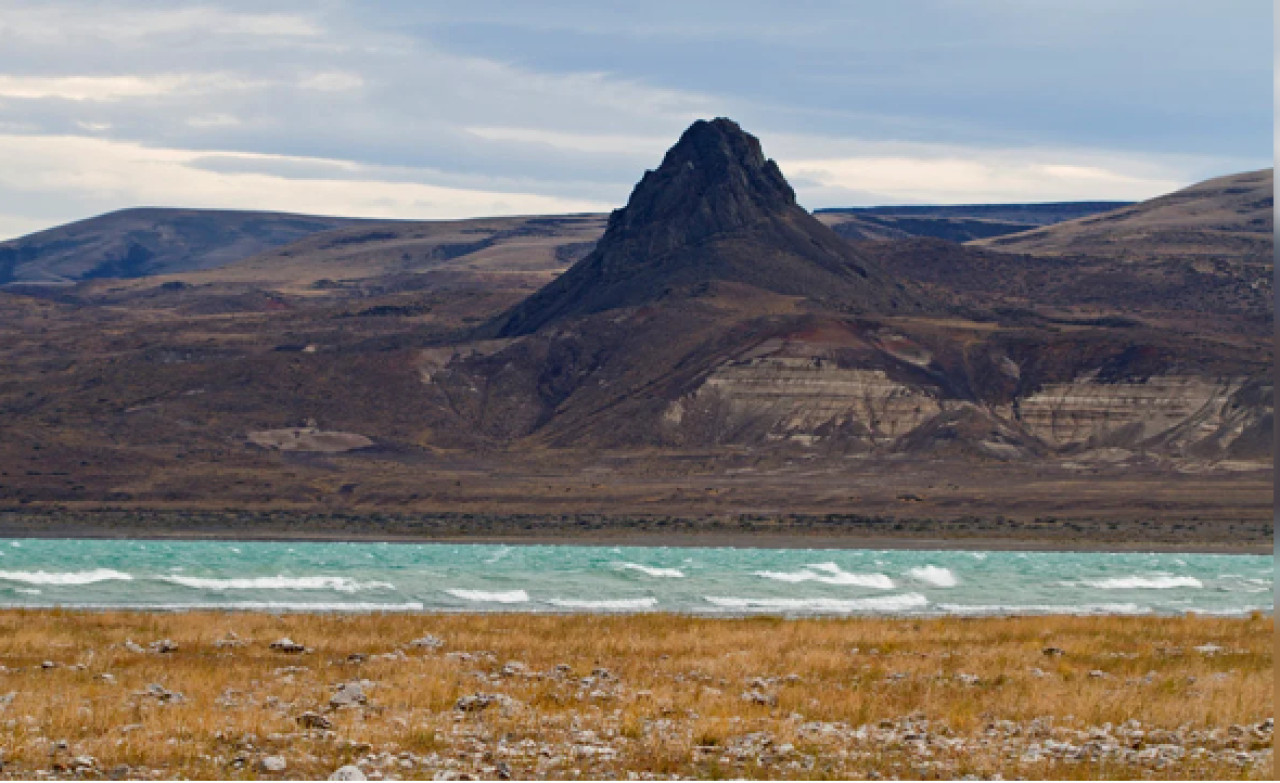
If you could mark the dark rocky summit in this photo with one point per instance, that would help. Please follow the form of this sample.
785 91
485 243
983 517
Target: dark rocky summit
716 210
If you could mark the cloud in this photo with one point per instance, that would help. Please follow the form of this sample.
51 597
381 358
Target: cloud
421 109
973 176
87 88
100 174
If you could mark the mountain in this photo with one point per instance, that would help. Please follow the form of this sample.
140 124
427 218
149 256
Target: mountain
715 211
960 223
151 241
1228 217
717 313
717 352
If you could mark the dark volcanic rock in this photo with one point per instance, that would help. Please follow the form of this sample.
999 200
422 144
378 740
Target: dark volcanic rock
716 210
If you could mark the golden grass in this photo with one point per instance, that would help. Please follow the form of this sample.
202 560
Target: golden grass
672 703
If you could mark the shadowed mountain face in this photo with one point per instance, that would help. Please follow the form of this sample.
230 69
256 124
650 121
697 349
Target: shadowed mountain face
715 211
141 242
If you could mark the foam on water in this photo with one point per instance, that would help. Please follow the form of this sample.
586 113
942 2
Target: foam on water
341 584
1156 582
934 575
888 603
829 574
608 605
249 606
65 578
1077 609
365 577
491 596
667 573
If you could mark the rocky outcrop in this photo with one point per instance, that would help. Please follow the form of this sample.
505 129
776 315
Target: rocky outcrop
803 400
715 211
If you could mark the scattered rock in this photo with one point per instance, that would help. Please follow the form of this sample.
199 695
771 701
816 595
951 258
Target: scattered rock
760 697
48 665
1209 649
348 694
273 764
161 694
287 645
349 772
132 646
162 646
477 702
230 640
428 642
314 720
1052 651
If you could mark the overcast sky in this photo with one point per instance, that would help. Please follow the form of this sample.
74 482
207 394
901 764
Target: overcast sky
434 109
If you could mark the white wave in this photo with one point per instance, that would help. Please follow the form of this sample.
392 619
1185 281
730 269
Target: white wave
887 603
64 578
934 575
1070 609
27 590
1235 611
668 573
243 606
342 584
829 574
1159 582
497 597
618 604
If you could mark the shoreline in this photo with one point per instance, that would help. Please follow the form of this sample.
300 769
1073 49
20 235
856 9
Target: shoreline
712 540
796 531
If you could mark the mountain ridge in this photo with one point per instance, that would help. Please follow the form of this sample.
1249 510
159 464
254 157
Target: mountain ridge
715 211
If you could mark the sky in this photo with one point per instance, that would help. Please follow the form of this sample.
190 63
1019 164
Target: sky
424 109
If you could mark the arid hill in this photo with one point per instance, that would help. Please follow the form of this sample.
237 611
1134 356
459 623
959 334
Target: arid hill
1225 219
151 241
955 223
720 351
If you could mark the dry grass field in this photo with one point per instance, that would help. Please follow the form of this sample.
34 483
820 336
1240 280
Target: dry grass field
206 695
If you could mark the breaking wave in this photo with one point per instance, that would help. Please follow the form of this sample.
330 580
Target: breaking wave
342 584
1143 582
934 575
65 578
618 604
829 574
491 596
888 603
248 606
669 573
1070 609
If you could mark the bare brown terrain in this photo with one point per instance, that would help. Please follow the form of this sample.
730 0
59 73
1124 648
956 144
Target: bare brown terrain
259 696
404 368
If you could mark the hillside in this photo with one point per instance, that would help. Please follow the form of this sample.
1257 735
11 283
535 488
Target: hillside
955 223
1227 219
720 351
151 241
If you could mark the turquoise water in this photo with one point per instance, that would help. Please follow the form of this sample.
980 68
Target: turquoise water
166 575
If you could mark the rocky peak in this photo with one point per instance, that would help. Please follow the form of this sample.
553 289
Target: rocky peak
715 179
716 210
